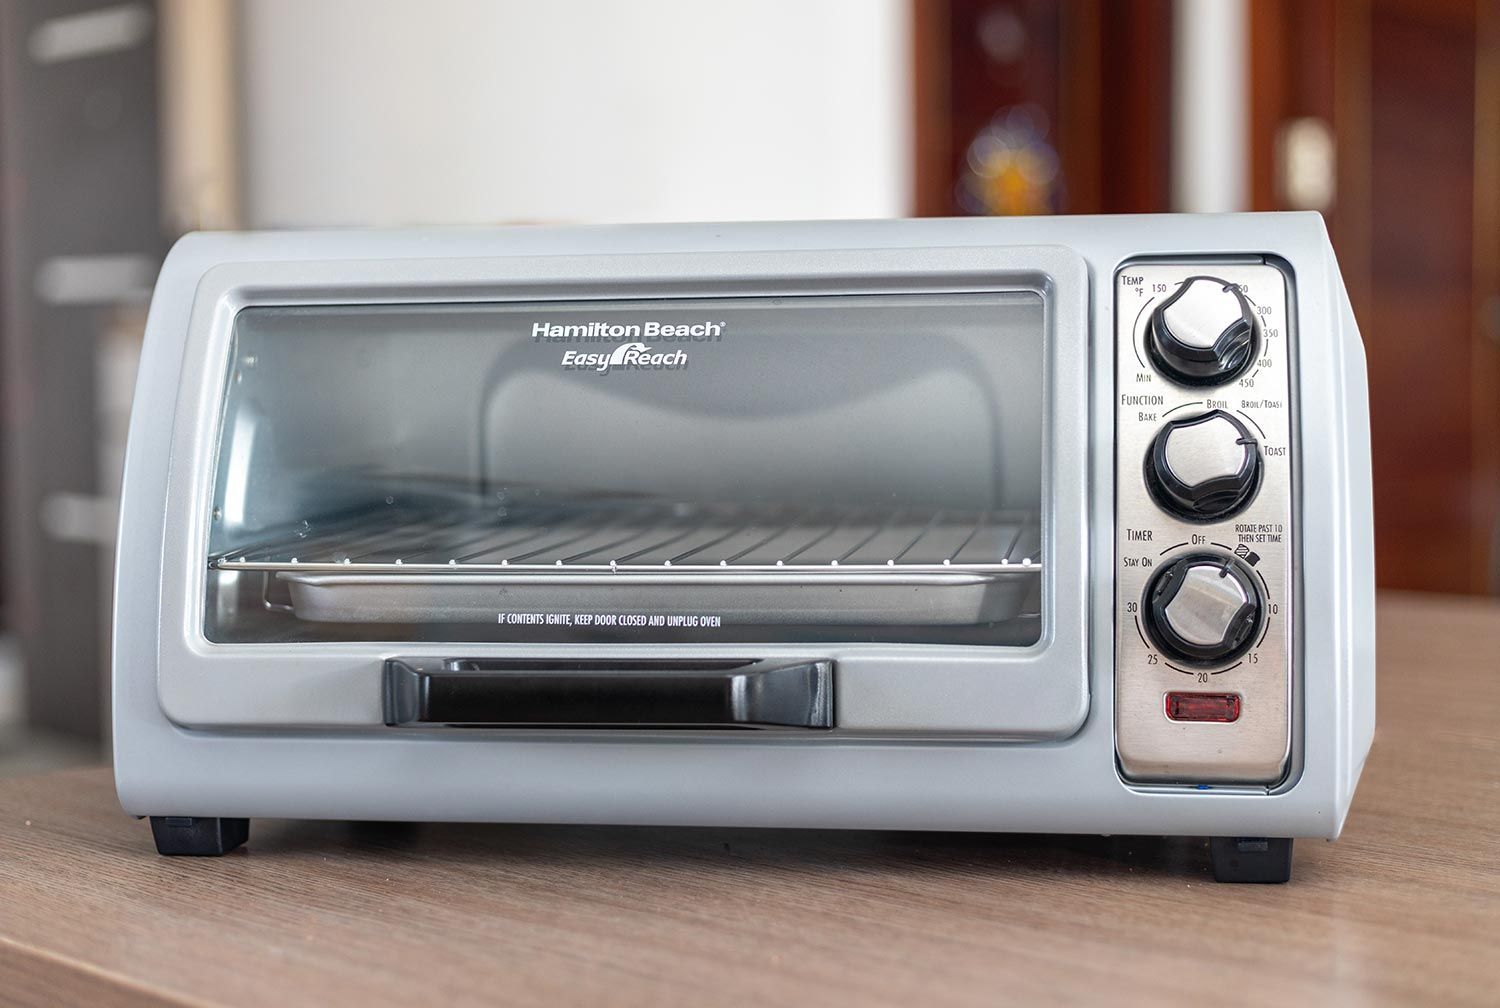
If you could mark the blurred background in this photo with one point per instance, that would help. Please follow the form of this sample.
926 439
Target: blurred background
124 125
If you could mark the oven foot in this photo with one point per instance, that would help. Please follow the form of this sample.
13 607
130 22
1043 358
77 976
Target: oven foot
1251 859
198 837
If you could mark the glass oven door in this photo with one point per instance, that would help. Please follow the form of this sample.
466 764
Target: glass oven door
817 468
859 475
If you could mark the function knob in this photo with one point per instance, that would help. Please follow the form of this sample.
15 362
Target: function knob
1203 468
1204 334
1203 609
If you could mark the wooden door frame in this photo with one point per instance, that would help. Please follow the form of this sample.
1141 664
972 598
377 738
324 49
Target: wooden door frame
1293 75
1114 105
1486 374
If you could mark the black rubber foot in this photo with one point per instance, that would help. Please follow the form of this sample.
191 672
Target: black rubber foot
187 836
1251 859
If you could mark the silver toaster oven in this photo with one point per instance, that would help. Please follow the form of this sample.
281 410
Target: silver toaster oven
1048 525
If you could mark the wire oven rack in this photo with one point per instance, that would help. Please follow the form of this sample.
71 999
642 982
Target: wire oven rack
762 563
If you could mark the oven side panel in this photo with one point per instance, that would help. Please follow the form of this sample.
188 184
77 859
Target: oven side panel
136 631
1350 564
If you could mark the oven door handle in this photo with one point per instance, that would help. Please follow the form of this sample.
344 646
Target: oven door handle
623 694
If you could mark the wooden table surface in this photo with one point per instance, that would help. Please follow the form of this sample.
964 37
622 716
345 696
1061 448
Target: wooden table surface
1404 908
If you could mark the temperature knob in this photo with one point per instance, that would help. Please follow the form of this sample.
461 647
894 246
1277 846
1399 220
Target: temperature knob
1204 334
1203 609
1203 468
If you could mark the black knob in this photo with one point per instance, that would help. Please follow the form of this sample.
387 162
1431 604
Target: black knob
1203 609
1203 468
1204 334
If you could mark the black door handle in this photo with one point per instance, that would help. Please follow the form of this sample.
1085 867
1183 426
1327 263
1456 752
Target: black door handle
629 693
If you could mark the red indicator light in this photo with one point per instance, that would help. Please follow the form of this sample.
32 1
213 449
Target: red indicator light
1221 708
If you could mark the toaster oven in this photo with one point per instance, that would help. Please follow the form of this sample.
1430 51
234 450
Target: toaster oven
1052 525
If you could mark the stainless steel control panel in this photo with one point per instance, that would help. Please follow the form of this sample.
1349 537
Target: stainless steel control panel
1204 545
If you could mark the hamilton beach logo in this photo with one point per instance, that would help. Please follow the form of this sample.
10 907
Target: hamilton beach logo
631 354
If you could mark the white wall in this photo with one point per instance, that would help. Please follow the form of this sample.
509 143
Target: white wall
462 111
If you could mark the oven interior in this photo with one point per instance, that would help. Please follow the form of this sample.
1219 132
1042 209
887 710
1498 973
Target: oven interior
785 469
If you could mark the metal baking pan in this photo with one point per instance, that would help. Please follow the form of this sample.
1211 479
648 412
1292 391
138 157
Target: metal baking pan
685 599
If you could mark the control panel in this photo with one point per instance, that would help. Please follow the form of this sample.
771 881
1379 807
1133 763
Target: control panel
1204 544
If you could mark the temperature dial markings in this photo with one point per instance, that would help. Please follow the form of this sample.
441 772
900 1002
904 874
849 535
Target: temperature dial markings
1202 334
1136 327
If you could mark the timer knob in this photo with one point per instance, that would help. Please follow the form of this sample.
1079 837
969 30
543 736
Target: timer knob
1203 468
1203 609
1204 334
